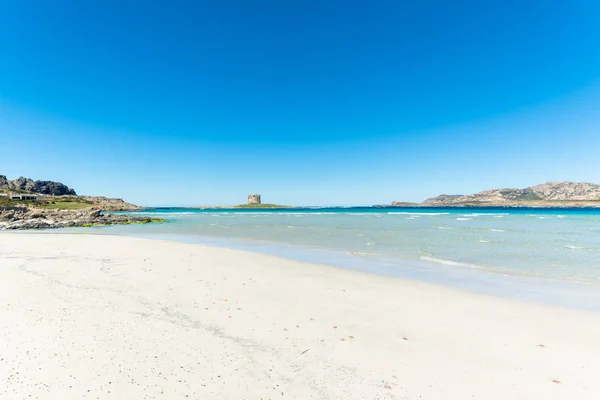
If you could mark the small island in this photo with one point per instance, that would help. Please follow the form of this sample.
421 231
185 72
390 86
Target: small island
254 202
262 205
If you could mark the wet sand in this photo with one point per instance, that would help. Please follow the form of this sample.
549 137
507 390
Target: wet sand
85 316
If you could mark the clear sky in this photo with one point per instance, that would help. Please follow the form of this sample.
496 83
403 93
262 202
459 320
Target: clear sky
306 102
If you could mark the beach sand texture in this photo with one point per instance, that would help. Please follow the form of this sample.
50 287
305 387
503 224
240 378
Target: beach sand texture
106 317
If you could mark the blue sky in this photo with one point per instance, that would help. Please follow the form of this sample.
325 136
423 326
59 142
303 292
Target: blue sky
306 102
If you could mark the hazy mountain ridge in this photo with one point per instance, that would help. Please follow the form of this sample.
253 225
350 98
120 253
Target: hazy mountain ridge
546 192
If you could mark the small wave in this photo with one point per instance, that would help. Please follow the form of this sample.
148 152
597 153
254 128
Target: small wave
444 227
497 230
575 247
253 213
464 219
357 213
448 262
311 213
165 213
283 213
484 241
484 214
357 253
416 213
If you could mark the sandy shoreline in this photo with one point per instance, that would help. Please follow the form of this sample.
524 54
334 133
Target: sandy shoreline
85 316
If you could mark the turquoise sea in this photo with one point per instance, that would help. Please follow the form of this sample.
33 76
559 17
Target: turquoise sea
550 255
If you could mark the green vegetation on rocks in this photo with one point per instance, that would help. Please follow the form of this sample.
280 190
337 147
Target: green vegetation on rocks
143 221
261 205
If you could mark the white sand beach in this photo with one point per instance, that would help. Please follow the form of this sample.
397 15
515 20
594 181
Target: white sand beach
106 317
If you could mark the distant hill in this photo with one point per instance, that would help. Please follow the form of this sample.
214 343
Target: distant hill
543 195
23 184
403 204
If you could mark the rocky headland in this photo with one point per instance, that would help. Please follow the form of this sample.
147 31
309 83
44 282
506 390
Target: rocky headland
58 206
551 194
110 204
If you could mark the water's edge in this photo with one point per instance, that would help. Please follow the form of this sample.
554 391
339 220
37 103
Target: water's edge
578 296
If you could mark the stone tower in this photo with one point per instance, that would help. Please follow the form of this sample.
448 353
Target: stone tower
254 199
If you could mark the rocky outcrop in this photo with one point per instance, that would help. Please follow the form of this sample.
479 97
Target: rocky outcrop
404 204
110 204
61 192
42 187
443 198
535 195
12 218
569 191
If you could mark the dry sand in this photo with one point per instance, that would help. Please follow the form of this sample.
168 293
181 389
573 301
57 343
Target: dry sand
100 317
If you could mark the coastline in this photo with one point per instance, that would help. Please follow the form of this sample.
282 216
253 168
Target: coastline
28 217
155 316
571 294
592 205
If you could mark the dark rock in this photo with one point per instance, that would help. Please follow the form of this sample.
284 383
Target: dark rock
42 187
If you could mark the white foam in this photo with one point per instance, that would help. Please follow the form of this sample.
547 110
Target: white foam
497 230
464 219
416 213
483 214
253 213
575 247
448 262
444 227
357 253
311 213
484 241
165 213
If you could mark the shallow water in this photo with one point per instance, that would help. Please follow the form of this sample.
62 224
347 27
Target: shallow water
498 251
